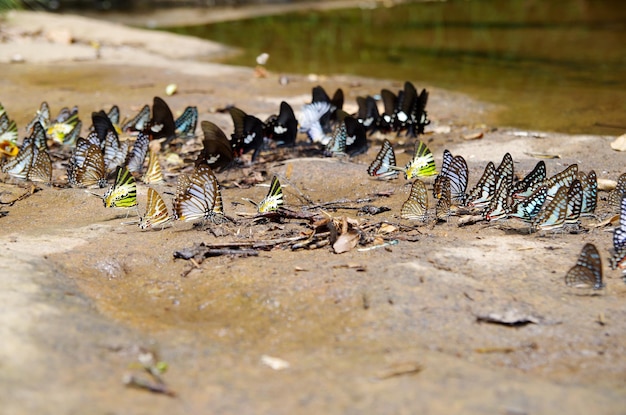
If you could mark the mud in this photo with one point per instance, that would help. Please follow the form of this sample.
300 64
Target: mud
82 292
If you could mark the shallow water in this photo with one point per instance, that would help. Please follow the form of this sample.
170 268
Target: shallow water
557 66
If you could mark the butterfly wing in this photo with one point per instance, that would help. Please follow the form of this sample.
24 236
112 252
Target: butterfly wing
138 154
385 162
185 125
217 152
422 164
156 211
588 269
274 198
123 192
416 206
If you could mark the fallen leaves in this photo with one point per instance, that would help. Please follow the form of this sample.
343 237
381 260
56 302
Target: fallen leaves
619 144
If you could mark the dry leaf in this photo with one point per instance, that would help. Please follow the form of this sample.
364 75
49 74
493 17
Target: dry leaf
346 242
274 362
386 228
620 143
473 136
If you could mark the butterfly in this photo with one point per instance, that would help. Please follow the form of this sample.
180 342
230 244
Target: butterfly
274 198
153 173
422 164
443 207
217 151
106 137
8 135
114 116
589 183
552 214
416 206
138 153
139 122
86 166
499 205
485 188
619 234
529 207
123 192
615 195
42 117
384 165
65 129
525 186
410 112
367 114
162 121
313 119
33 160
504 172
185 125
8 128
574 202
561 179
198 196
282 128
455 169
588 270
156 211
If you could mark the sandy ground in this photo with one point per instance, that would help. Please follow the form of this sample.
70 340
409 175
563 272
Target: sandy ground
385 331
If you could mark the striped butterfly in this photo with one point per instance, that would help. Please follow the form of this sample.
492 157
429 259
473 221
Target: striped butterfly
33 160
525 186
42 117
483 192
123 192
217 152
153 173
616 195
498 206
8 128
443 207
106 137
588 270
336 146
458 174
138 154
86 166
274 198
552 215
139 122
416 206
198 196
156 211
185 125
619 240
422 164
619 234
574 202
528 208
65 129
504 172
589 182
384 165
445 166
561 179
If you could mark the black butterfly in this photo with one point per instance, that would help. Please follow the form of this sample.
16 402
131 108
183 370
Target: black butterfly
217 152
588 270
162 122
282 128
410 112
368 114
248 133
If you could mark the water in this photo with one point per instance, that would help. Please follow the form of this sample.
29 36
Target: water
554 65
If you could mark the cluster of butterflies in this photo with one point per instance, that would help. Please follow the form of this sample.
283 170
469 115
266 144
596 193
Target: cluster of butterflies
543 202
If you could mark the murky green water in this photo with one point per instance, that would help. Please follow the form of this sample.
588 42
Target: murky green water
557 65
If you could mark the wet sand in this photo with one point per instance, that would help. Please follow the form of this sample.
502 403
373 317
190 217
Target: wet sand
385 331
